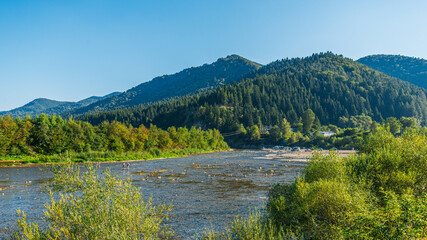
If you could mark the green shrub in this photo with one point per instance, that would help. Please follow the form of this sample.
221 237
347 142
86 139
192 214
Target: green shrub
400 217
254 227
378 194
95 206
325 167
393 163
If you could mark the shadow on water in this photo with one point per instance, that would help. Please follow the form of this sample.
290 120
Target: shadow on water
206 190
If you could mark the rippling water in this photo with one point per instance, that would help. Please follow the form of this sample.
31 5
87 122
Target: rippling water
206 190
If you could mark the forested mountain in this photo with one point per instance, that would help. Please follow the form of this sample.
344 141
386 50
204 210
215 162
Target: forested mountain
413 70
48 106
331 85
189 81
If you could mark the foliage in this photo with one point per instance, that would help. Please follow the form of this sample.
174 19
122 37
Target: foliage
377 194
308 118
55 139
363 122
254 227
90 205
393 163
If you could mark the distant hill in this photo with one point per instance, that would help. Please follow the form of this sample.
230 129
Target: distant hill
331 85
189 81
48 106
413 70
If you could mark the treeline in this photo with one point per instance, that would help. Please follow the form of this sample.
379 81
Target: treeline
52 135
332 86
351 135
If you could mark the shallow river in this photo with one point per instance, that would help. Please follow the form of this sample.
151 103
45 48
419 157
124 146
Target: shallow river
207 190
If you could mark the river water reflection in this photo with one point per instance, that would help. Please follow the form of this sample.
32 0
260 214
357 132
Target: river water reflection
206 190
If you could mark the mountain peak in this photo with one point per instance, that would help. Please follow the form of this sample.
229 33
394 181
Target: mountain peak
235 57
44 103
186 82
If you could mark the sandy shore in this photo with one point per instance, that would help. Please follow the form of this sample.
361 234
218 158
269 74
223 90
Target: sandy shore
301 156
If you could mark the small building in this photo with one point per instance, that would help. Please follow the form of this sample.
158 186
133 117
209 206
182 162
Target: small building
327 134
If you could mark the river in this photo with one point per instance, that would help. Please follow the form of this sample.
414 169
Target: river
207 190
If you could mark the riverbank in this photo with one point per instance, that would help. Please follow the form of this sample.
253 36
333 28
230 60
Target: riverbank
207 190
99 157
302 156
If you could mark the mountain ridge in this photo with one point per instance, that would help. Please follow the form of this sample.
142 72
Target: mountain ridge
188 81
49 106
410 69
331 85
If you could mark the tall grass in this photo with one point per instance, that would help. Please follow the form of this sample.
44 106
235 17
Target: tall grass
253 227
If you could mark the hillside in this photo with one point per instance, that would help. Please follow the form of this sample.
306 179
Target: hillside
189 81
48 106
331 85
413 70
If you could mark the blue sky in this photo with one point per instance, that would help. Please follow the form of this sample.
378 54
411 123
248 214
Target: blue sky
70 50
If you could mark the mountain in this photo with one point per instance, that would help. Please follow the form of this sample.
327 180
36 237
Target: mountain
189 81
48 106
331 85
34 107
413 70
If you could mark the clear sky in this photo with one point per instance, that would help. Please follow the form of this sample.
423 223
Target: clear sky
72 49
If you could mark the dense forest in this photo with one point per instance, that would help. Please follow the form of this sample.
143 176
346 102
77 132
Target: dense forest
332 86
188 81
413 70
53 135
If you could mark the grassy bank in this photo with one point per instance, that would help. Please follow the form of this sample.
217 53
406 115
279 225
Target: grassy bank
99 156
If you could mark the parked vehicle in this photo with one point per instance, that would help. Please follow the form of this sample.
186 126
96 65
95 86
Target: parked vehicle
296 149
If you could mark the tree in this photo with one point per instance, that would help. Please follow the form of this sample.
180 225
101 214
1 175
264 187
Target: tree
40 137
8 128
254 133
119 137
394 125
409 122
275 134
285 129
308 118
140 136
242 130
22 138
74 136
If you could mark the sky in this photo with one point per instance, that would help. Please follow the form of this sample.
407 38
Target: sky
69 50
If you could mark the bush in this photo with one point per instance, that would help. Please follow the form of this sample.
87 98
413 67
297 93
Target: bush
254 227
95 206
378 194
